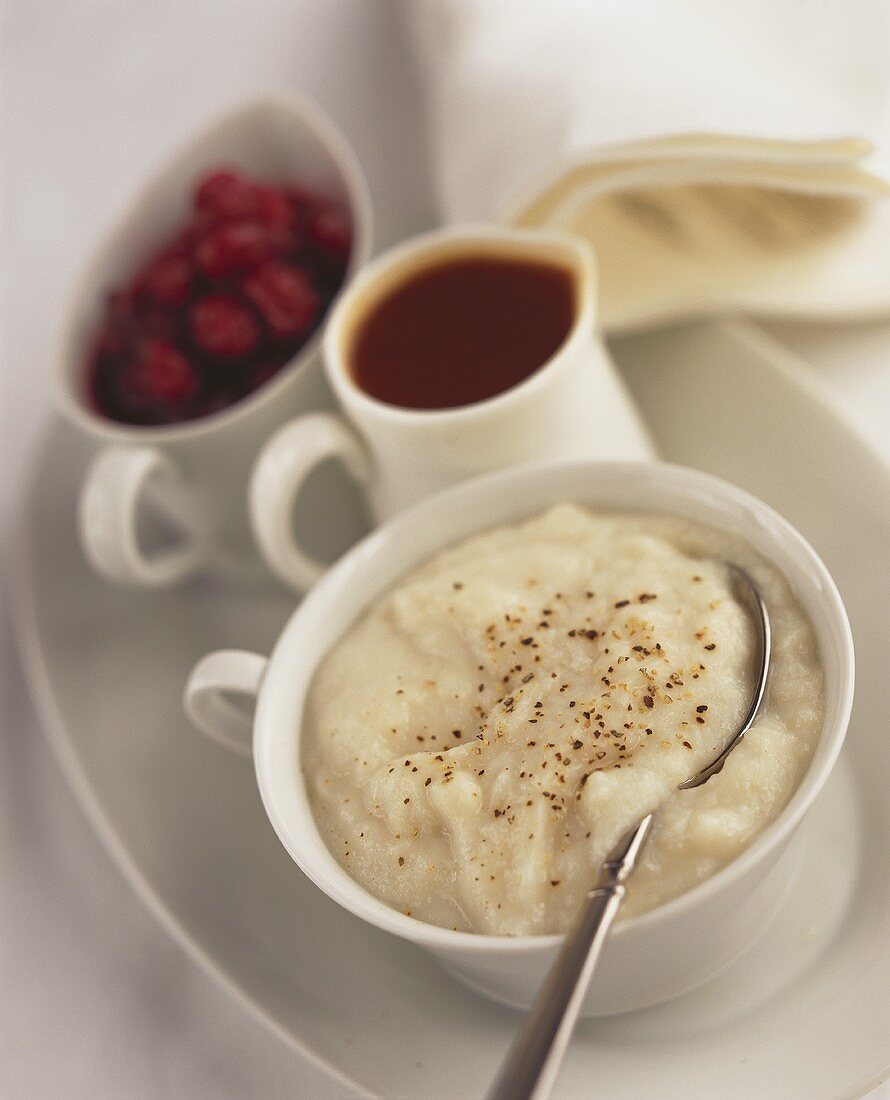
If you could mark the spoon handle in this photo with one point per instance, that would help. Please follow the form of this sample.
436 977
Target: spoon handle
533 1063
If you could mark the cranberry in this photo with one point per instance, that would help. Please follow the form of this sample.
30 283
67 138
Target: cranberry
237 246
220 309
225 195
330 232
229 196
223 326
168 278
284 296
160 375
272 206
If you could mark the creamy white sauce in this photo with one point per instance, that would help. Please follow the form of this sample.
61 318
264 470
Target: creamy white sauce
481 738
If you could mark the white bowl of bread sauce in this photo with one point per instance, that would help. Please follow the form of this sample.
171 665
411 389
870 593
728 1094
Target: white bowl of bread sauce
653 955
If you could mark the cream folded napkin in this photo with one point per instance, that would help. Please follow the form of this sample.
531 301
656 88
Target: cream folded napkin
718 155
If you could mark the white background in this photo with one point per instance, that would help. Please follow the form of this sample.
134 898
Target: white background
95 1001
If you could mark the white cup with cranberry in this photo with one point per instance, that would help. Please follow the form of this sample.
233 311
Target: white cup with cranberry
194 333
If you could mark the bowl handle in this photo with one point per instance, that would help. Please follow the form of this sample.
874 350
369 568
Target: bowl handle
209 702
120 483
283 465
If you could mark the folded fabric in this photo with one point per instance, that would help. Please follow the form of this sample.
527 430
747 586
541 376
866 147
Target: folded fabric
719 156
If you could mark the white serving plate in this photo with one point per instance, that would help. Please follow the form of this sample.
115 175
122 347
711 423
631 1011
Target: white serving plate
806 1014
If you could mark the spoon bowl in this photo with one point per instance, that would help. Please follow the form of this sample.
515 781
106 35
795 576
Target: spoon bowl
751 595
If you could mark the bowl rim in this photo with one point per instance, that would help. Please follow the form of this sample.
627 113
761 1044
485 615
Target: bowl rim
309 115
295 824
423 251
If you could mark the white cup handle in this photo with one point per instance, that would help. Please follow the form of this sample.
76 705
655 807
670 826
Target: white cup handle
121 481
281 468
209 701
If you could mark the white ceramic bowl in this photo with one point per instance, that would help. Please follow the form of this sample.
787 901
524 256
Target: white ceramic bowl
648 958
201 465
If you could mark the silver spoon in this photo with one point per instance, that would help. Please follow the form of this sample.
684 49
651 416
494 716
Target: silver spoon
534 1060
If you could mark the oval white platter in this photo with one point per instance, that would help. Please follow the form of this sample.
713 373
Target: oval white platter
806 1014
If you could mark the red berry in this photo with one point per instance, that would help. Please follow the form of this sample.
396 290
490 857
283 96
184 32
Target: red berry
167 279
284 296
226 195
160 375
237 246
224 327
330 232
272 206
230 196
222 307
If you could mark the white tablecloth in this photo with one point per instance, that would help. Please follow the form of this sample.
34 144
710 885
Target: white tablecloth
95 1001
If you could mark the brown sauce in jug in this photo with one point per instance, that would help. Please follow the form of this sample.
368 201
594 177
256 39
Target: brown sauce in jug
462 330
